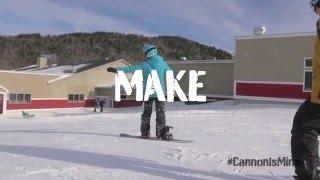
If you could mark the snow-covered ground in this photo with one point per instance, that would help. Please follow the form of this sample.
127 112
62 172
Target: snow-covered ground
80 144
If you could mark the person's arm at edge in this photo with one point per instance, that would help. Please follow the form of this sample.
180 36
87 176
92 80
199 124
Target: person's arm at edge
131 69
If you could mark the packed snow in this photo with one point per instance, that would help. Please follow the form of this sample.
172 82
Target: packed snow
80 144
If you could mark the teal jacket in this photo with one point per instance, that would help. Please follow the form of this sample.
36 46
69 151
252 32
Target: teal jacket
155 62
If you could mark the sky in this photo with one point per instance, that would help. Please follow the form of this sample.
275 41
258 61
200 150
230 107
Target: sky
212 22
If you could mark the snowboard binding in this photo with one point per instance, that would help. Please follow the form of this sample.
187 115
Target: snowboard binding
145 135
309 169
164 133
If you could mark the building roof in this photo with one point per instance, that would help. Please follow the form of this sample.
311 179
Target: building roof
53 69
4 89
32 73
223 61
284 35
58 72
85 71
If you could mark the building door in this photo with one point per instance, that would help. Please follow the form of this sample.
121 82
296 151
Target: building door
1 103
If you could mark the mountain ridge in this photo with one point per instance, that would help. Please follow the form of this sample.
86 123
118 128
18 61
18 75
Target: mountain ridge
76 48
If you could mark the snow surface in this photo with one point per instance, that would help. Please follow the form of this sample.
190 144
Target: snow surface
79 144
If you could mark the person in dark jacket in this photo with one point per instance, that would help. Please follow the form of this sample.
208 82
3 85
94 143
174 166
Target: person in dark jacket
306 123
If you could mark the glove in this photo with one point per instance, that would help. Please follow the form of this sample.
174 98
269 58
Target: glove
112 70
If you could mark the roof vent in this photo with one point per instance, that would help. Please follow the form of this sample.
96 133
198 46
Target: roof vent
42 62
259 31
183 58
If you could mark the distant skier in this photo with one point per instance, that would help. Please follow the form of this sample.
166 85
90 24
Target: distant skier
152 61
102 102
96 104
306 123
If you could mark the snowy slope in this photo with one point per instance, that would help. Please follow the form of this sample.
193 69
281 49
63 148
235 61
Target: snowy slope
79 144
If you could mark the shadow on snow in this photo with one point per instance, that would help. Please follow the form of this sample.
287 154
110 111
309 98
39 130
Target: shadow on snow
120 162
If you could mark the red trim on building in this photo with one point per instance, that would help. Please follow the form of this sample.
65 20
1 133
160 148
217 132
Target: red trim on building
50 104
47 104
126 103
289 91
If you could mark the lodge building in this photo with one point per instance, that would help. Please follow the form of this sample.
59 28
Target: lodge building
274 68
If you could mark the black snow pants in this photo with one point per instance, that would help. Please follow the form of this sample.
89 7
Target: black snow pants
146 116
305 132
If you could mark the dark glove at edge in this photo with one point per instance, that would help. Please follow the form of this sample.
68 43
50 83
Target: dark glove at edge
111 69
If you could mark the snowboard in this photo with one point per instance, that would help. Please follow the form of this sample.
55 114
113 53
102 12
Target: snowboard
154 138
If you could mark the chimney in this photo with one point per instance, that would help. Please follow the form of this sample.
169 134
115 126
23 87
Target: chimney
42 62
259 31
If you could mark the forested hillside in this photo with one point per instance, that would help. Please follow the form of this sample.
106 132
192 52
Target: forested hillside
76 48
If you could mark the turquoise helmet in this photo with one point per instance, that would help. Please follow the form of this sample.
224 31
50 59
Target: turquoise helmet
149 50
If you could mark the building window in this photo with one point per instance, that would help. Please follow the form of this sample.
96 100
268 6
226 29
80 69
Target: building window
308 63
27 98
19 98
75 97
12 98
308 81
81 97
70 98
307 75
123 93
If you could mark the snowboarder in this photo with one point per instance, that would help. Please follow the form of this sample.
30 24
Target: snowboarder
306 123
102 102
152 61
27 115
96 104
